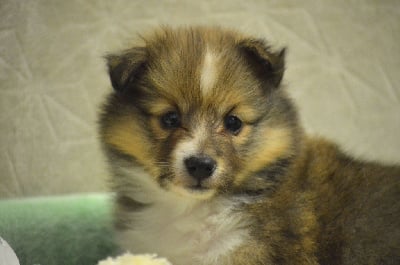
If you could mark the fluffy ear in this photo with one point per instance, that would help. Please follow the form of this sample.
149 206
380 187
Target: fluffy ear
125 68
266 64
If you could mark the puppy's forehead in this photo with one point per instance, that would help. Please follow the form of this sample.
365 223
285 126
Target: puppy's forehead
200 69
209 70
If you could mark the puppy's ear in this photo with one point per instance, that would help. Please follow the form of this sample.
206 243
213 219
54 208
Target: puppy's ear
267 65
125 68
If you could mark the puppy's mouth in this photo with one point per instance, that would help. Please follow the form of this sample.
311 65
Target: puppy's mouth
199 187
197 190
193 185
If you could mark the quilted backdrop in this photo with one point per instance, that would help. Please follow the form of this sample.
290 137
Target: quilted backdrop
343 69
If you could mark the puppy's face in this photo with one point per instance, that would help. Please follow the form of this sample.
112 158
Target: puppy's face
201 111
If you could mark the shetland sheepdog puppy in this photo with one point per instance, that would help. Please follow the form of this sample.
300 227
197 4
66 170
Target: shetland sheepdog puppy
210 165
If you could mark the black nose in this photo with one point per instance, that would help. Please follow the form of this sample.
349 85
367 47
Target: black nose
200 167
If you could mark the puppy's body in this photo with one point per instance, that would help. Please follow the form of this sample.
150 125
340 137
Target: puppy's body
211 166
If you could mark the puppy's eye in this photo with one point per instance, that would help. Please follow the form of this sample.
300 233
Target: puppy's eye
233 124
170 120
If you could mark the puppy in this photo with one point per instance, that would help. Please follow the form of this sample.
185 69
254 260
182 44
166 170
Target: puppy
211 166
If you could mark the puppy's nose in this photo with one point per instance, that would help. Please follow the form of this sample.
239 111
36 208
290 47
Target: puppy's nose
200 167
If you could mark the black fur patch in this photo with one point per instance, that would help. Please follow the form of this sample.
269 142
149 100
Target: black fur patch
274 172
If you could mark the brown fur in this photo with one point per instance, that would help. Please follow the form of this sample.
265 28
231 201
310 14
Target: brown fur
308 202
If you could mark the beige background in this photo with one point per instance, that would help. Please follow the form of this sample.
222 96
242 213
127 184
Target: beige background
343 70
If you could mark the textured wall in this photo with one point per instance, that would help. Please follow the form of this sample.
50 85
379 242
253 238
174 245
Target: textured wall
343 70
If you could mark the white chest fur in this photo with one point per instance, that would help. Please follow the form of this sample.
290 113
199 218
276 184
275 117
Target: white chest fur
188 233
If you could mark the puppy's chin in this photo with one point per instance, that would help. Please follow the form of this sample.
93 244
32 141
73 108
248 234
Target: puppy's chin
199 193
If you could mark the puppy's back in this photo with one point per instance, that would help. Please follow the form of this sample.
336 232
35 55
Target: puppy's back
358 207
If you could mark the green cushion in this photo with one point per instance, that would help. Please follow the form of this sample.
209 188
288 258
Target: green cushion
73 230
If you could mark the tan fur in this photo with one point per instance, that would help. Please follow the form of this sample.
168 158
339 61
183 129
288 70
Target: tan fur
120 136
275 196
276 141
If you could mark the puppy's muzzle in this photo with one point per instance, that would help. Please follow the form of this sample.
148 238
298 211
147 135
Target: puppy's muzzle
200 167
